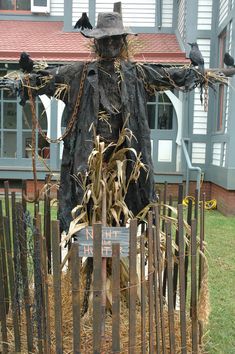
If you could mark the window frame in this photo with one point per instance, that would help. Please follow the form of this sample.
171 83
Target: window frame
222 91
15 11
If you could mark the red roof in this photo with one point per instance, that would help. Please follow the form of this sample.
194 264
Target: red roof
47 41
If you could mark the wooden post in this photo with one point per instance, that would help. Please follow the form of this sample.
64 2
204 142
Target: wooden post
143 291
4 261
156 292
75 274
38 280
57 285
103 267
176 264
3 314
150 280
21 238
194 287
116 298
170 288
132 290
159 270
182 280
11 276
97 288
47 222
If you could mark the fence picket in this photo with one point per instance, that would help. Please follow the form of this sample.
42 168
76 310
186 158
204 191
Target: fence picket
150 280
156 293
4 261
11 275
194 286
22 240
3 319
170 294
97 287
57 286
143 291
38 281
182 280
160 285
75 277
133 289
116 298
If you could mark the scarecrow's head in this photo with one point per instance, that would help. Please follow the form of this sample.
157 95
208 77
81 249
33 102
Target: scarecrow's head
109 35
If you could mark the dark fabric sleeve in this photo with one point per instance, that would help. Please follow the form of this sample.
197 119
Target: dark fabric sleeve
160 78
53 83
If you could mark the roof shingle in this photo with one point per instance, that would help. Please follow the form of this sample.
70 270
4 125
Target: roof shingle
47 41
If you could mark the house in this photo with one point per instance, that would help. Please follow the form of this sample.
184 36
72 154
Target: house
44 28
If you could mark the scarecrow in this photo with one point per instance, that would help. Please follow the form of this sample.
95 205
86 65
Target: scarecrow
106 109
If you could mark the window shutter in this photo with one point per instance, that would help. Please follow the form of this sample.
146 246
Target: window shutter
40 6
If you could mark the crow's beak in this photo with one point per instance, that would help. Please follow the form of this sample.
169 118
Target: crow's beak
190 43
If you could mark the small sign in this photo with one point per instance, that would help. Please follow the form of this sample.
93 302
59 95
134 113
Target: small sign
110 235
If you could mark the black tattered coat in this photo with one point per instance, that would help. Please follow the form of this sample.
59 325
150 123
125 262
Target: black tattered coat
136 80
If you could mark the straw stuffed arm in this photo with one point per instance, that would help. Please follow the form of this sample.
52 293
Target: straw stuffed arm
54 82
186 78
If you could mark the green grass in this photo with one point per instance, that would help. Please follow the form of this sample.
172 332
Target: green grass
220 238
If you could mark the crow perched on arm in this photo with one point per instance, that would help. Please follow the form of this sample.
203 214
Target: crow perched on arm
26 63
228 60
83 22
196 57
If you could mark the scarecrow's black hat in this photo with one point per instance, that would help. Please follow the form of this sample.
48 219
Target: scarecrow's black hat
108 24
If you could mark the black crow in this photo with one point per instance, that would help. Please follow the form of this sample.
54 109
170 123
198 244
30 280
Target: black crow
83 22
196 57
228 60
26 63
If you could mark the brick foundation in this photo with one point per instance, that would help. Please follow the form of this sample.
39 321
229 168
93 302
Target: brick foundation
225 198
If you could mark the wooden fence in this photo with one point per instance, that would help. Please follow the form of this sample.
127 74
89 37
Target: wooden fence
153 307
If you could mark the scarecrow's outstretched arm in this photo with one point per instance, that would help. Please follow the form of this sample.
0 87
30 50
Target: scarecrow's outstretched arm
54 82
185 78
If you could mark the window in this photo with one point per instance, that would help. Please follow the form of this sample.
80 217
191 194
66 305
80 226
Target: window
15 5
16 128
42 6
8 126
160 107
221 100
42 146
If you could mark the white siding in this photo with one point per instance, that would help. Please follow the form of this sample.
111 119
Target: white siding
182 18
167 13
78 7
57 8
224 154
199 114
216 154
227 100
204 14
135 13
198 153
223 10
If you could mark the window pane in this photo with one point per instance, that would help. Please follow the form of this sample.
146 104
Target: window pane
26 117
23 5
9 115
165 115
6 5
27 144
40 2
42 117
8 96
163 98
9 144
151 115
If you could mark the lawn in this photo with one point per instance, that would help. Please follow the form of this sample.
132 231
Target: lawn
220 238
